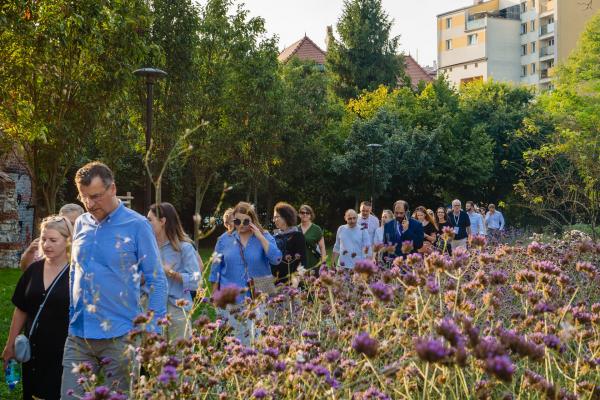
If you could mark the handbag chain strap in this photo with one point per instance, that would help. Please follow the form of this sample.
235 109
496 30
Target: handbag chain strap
34 323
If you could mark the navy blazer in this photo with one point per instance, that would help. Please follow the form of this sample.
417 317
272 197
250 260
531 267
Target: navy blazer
414 233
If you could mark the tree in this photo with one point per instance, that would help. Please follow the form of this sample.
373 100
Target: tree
571 153
365 56
237 99
62 63
498 109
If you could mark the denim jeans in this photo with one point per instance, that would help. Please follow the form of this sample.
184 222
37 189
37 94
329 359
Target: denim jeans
119 369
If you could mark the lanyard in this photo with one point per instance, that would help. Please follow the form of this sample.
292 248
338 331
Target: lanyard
456 219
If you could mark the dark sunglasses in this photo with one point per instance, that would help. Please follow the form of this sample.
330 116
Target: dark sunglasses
238 222
304 212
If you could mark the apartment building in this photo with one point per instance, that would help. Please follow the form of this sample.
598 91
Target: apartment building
519 41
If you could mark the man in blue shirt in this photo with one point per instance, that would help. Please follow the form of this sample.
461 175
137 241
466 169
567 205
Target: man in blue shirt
112 248
403 229
477 225
495 223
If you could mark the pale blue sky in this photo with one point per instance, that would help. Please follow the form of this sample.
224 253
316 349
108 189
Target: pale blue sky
414 20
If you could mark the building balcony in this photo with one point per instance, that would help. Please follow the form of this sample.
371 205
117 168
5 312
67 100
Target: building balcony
547 51
546 6
547 29
476 23
547 73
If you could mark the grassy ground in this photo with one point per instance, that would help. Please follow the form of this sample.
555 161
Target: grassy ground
8 280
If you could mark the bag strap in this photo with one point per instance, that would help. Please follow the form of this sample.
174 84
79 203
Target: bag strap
243 258
54 282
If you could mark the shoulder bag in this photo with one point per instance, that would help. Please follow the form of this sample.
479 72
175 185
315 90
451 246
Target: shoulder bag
22 346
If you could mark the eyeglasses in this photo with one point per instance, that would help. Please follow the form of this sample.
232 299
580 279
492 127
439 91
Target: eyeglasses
94 197
238 222
304 213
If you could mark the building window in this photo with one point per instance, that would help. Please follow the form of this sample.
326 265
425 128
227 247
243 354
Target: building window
465 66
448 22
523 49
449 44
532 68
476 65
523 7
532 47
472 39
523 28
532 26
523 70
450 69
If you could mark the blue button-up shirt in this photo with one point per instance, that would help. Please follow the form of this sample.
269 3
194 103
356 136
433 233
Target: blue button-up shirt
477 226
185 262
107 261
228 266
495 220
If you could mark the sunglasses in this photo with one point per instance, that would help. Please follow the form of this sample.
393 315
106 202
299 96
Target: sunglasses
238 222
304 212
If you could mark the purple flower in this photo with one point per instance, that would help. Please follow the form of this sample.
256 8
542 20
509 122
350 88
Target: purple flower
432 286
552 342
449 330
501 367
382 291
366 267
279 366
226 295
168 375
366 345
259 393
271 352
118 396
332 355
431 350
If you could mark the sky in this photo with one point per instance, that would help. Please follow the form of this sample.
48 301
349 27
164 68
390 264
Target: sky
414 21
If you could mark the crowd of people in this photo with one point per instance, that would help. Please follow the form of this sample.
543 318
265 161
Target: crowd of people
91 274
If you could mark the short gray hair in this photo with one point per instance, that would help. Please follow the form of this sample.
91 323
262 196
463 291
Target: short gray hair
71 208
456 201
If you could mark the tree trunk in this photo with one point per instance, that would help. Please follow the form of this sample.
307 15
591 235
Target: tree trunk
202 185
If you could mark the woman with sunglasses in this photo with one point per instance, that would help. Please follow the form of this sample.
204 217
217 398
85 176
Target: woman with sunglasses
290 242
180 263
241 257
42 295
316 254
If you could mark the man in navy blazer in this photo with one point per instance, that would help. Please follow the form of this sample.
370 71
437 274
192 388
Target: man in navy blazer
403 228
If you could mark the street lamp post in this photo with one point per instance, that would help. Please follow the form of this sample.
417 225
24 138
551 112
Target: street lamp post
373 147
151 75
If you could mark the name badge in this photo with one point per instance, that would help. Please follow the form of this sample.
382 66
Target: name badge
456 228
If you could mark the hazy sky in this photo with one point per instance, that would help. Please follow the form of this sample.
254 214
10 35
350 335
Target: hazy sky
414 21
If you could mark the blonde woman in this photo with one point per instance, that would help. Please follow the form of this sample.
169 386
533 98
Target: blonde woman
43 291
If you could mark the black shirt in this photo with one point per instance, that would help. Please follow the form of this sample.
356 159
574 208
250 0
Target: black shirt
293 253
42 373
461 222
429 230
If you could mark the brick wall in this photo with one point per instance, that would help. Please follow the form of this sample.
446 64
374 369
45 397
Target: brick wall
14 168
10 241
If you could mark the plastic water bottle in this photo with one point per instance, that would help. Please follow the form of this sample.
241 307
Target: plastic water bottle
12 374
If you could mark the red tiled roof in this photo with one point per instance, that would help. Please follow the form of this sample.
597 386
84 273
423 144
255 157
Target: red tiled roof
415 72
305 49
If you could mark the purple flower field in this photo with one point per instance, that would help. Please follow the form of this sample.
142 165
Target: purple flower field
505 322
